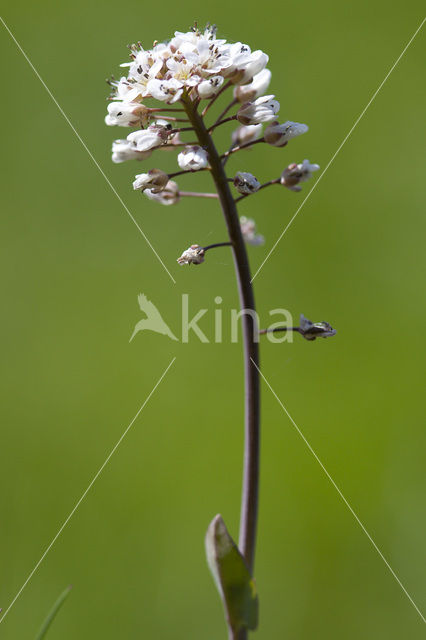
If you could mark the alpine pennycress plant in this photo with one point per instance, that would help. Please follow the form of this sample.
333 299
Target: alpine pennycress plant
191 71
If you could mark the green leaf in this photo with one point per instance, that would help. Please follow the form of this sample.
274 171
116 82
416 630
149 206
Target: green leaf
236 586
52 613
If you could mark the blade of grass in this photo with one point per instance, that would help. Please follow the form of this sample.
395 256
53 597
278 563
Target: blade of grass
52 613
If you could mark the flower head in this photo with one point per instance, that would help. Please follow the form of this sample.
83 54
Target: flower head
192 60
279 134
263 109
248 229
155 180
246 183
194 255
295 173
312 330
193 158
168 195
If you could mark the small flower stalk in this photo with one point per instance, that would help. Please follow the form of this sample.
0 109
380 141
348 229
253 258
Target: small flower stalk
167 95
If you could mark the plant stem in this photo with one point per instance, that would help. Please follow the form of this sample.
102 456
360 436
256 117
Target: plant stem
217 244
262 186
234 149
219 122
277 329
197 194
186 171
249 502
225 111
213 100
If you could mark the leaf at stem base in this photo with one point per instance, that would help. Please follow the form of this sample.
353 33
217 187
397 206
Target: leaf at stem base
236 586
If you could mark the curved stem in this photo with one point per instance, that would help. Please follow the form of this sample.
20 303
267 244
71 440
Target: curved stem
262 186
217 244
219 122
249 502
225 111
277 329
234 148
215 97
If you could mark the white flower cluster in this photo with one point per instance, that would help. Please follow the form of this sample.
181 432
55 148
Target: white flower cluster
195 66
193 60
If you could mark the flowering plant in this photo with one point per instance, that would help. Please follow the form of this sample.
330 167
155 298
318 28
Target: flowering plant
191 71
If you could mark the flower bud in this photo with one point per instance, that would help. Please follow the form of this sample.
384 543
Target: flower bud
123 150
243 135
312 330
257 87
279 134
194 255
126 114
295 173
209 88
169 195
246 183
246 65
248 229
146 139
193 158
155 180
263 109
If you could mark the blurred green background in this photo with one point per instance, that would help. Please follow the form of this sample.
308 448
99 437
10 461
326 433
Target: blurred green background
72 264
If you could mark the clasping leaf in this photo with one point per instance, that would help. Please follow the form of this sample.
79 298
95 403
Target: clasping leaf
236 586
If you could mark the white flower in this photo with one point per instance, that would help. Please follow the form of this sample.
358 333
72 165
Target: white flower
263 109
246 183
127 91
243 134
146 139
123 150
169 195
245 64
208 88
255 88
194 255
165 90
279 134
193 158
126 114
248 229
295 173
155 180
